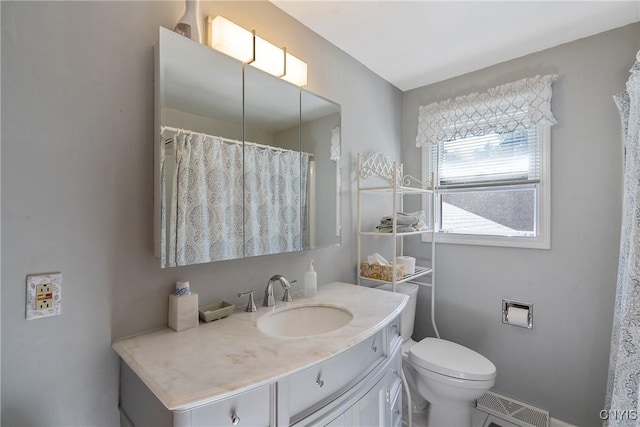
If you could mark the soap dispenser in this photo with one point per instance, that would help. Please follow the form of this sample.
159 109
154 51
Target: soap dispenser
310 281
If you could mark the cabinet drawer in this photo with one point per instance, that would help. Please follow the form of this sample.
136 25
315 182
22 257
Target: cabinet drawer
396 399
396 365
250 408
396 411
314 387
394 330
395 389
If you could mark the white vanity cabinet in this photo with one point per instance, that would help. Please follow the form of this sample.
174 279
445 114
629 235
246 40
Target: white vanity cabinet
350 377
358 387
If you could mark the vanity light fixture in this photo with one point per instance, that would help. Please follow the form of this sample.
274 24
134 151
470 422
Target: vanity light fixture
229 38
237 42
295 70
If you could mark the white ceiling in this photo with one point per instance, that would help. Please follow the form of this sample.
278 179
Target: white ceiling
415 43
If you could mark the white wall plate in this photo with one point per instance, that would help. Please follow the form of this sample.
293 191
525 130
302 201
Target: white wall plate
49 304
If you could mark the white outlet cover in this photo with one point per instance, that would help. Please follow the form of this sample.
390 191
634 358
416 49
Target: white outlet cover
55 279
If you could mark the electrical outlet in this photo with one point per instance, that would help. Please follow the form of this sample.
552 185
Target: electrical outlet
44 291
44 295
44 304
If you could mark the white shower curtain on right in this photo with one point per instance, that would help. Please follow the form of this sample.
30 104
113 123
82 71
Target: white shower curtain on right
622 403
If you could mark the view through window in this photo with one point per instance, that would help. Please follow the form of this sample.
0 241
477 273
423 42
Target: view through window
489 185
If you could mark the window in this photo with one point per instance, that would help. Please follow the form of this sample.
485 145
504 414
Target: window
490 162
492 190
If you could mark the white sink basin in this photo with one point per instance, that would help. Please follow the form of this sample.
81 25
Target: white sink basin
304 320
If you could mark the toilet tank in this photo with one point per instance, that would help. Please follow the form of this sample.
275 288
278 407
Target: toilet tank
409 312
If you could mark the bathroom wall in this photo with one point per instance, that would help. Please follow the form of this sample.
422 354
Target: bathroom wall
77 186
561 364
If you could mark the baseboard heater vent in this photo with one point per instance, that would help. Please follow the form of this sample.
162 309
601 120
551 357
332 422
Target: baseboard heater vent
512 410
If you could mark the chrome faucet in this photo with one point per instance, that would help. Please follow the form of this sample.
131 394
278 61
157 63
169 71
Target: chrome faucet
269 300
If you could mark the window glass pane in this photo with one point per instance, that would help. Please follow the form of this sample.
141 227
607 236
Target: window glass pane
492 158
502 212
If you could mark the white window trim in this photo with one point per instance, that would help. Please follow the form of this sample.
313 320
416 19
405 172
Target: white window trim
541 241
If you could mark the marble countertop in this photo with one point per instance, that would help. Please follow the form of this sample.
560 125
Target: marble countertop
214 360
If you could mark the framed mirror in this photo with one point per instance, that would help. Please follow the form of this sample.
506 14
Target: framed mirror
243 161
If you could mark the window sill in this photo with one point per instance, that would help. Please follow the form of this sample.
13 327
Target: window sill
541 242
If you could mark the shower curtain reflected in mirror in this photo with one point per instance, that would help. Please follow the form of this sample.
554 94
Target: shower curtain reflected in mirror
623 387
206 221
213 218
275 200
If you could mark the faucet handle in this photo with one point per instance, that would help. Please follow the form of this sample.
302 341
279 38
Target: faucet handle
287 295
251 305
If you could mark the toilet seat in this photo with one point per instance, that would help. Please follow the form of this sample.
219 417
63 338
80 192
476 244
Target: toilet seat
450 359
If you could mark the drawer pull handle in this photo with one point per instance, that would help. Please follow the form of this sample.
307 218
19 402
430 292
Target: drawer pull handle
374 348
235 419
394 326
319 383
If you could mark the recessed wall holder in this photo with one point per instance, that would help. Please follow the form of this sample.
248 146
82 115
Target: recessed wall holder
518 318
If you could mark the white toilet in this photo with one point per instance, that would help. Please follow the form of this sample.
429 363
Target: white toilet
449 376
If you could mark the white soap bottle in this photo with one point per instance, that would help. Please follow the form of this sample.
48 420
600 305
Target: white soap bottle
310 281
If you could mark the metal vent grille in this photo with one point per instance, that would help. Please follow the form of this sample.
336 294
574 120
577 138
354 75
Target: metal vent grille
513 410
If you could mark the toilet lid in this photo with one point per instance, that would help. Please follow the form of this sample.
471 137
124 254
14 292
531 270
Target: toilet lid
451 359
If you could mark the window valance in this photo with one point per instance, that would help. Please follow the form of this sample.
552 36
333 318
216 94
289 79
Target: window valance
506 108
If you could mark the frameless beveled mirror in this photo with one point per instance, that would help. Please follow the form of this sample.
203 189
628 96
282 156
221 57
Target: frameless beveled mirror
243 159
275 178
199 206
320 137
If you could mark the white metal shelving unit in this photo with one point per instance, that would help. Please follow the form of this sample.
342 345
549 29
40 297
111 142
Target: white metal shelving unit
380 168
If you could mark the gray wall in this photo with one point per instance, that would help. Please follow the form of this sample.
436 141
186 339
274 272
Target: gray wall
77 186
561 364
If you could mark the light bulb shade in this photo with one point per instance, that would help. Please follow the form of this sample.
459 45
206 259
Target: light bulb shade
233 40
230 38
296 71
269 58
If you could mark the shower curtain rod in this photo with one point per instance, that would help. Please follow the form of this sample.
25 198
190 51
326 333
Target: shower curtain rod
232 141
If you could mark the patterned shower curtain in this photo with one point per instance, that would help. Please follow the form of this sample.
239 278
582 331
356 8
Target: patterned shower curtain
275 200
207 200
623 388
221 213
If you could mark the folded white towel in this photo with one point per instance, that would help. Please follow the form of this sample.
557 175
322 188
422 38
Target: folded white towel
401 228
404 218
401 219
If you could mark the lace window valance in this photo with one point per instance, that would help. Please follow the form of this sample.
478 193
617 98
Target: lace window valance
506 108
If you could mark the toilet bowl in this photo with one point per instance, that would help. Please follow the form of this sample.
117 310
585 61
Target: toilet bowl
450 377
447 375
